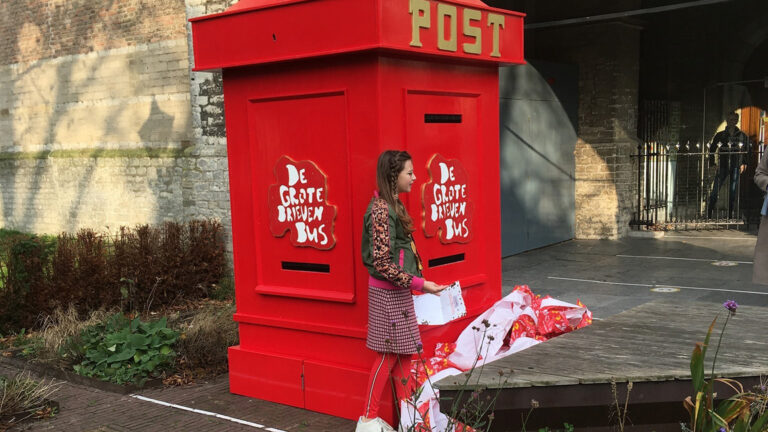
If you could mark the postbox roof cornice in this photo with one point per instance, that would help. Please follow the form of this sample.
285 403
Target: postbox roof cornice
253 32
244 6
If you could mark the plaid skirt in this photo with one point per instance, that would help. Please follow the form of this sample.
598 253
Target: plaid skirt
392 323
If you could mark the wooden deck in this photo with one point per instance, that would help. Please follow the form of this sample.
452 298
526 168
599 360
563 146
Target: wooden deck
649 345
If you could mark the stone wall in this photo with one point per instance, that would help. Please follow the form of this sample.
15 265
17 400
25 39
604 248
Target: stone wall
208 183
607 55
53 194
101 121
122 98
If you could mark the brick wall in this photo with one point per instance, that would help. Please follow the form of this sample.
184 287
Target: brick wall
101 121
41 29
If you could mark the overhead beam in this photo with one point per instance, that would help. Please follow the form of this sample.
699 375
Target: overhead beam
610 16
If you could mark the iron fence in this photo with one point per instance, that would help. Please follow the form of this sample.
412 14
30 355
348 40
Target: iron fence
695 186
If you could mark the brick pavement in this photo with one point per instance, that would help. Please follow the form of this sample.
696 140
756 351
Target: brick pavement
89 409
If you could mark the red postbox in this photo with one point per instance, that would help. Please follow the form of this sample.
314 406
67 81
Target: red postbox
314 90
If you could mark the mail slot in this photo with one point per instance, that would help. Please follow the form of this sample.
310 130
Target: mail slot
314 91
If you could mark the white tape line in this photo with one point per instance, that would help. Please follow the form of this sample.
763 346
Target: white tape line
208 413
678 258
657 285
716 238
600 282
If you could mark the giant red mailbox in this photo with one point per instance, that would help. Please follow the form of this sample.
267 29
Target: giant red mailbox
314 90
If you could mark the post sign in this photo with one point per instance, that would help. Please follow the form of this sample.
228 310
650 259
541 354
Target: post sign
298 203
444 20
446 199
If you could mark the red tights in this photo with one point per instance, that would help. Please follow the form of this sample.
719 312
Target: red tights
383 365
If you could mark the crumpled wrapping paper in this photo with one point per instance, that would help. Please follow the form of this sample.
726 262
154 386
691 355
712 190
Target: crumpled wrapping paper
514 323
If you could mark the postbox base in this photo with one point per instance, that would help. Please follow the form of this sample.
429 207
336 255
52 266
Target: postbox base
324 387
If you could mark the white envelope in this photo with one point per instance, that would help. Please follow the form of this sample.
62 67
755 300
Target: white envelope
432 309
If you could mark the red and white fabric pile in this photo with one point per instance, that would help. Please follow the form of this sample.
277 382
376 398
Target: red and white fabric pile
514 323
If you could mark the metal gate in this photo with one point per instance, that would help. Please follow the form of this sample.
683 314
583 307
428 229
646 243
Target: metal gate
692 185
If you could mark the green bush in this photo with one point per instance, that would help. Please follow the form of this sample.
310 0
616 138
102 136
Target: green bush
127 351
24 275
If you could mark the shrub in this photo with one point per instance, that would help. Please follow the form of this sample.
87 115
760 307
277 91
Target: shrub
158 266
126 351
143 268
81 272
26 269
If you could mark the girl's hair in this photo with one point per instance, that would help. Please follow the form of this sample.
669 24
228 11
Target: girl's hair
391 164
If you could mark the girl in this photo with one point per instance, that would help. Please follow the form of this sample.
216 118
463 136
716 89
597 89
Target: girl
394 267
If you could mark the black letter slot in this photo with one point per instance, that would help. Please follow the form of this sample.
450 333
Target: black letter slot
450 259
307 267
442 118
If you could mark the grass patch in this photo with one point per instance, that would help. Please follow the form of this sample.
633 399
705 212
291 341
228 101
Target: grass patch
61 335
206 336
26 345
23 398
224 290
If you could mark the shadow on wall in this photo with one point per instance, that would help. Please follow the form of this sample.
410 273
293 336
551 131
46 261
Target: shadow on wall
537 154
94 112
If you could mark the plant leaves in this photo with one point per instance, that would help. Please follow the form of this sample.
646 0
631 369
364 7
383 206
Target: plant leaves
742 425
122 356
137 340
718 421
698 413
730 409
761 423
122 350
706 339
697 368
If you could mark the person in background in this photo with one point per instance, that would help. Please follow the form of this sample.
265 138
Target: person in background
760 262
732 146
